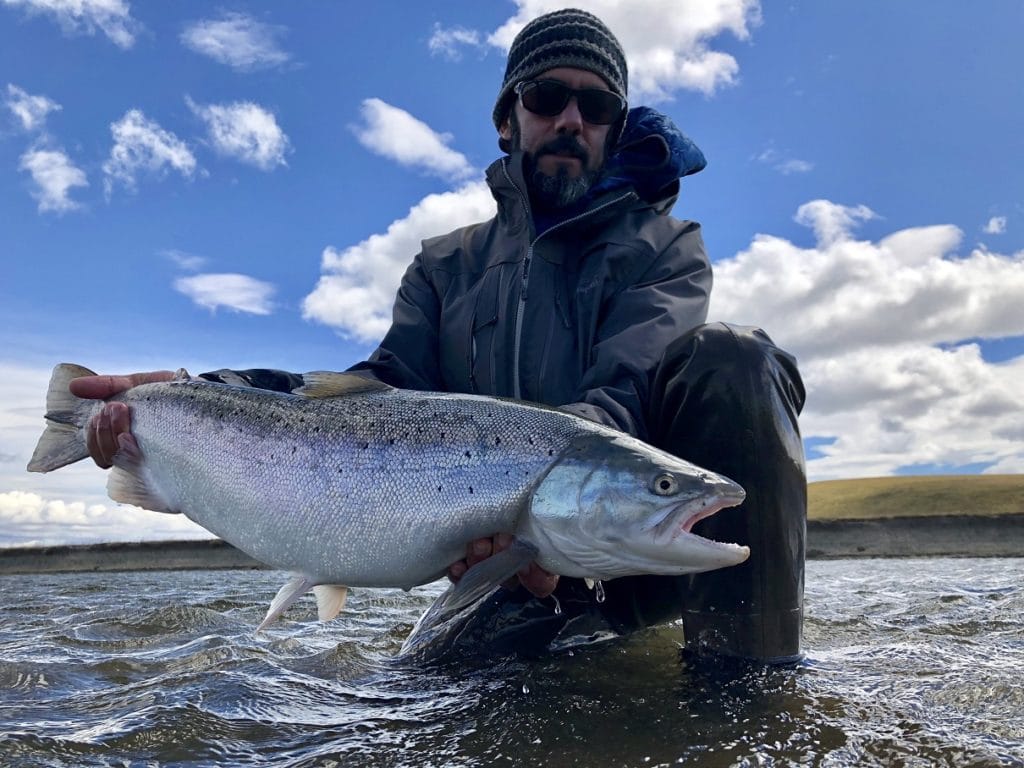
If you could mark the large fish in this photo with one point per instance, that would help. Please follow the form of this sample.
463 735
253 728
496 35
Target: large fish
352 483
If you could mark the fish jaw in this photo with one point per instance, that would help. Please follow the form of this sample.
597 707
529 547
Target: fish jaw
600 513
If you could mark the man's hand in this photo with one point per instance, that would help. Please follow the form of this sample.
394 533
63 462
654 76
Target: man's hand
538 581
110 429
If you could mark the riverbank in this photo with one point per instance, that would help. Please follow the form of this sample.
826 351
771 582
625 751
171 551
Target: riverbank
914 516
935 536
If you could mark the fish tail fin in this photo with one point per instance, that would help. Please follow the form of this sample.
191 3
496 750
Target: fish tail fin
63 441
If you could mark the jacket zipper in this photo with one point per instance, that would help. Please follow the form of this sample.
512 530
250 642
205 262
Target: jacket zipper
524 284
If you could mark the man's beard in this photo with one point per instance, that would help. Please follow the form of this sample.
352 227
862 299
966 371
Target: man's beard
561 190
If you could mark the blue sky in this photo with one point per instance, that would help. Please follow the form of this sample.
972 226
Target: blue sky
242 184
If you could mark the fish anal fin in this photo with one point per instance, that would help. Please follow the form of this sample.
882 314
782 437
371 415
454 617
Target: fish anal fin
330 600
127 483
321 384
293 589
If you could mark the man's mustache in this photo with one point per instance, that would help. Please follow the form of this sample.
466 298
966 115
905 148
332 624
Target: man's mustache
563 145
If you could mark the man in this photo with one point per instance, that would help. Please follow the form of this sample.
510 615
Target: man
583 293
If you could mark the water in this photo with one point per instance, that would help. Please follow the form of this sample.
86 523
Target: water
910 663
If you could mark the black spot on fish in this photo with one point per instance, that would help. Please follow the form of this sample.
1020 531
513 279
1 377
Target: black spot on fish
471 489
497 441
468 455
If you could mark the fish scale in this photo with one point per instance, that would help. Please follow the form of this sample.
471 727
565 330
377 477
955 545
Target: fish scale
351 482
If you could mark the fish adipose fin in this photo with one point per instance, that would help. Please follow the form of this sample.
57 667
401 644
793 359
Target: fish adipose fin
63 442
330 599
320 384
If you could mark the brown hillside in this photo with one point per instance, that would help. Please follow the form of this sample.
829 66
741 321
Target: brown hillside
926 495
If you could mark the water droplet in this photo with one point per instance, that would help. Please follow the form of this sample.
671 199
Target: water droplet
599 591
558 606
526 688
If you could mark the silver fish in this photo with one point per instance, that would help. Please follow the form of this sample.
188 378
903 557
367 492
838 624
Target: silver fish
349 482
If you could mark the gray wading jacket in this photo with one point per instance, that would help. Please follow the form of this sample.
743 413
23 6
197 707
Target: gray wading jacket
575 316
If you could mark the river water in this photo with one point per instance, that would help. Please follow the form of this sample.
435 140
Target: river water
910 662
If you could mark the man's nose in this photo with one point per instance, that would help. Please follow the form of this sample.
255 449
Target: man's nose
569 120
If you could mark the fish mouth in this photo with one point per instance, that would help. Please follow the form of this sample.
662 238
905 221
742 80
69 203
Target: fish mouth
680 518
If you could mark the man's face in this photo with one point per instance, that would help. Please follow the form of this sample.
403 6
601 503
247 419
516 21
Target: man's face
564 153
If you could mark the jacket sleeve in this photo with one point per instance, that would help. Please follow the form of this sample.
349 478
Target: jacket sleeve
665 298
408 356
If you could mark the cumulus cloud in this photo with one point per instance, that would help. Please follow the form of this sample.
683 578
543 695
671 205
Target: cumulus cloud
187 261
783 163
112 17
28 519
395 134
449 41
237 40
30 110
244 131
667 42
357 288
239 293
54 176
995 226
885 332
142 146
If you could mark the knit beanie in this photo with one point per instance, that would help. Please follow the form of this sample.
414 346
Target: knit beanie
565 38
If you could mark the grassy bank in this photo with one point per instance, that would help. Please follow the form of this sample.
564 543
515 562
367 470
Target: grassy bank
916 496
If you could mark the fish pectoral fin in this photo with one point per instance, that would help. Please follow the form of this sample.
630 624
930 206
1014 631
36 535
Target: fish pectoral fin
319 384
483 577
330 600
294 588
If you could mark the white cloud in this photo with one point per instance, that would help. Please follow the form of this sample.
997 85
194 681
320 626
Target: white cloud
240 293
783 163
357 289
30 110
112 17
448 41
395 134
245 131
28 519
237 40
880 331
54 176
995 226
667 42
141 145
187 261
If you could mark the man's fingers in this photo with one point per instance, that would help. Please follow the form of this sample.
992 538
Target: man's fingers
102 387
478 550
538 581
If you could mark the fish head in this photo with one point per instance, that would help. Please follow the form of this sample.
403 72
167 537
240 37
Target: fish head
611 506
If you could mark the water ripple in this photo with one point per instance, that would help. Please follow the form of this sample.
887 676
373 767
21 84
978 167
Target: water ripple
910 663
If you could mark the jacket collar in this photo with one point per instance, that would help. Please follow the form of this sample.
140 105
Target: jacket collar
649 160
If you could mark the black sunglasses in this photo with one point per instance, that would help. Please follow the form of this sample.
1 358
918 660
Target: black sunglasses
549 97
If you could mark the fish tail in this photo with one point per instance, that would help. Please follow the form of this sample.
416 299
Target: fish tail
63 442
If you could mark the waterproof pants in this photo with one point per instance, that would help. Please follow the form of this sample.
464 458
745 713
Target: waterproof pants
727 399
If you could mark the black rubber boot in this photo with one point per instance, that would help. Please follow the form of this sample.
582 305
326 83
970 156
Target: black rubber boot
726 398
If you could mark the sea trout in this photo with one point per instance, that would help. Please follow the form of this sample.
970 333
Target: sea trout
348 482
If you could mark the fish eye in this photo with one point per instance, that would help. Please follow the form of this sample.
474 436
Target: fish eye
665 485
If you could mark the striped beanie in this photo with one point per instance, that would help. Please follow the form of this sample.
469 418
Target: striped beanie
565 38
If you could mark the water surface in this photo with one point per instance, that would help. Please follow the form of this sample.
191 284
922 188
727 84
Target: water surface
913 662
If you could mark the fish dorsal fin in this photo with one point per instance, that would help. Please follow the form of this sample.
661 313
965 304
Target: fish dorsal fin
318 384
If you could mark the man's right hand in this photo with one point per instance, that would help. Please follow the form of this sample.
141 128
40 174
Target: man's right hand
109 430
